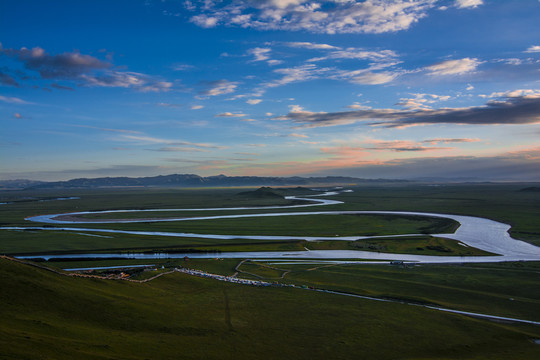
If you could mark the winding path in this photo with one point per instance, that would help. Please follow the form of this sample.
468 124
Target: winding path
484 234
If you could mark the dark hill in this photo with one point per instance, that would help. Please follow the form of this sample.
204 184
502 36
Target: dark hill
531 189
261 193
191 180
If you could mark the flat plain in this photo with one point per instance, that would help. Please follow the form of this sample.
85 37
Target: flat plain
181 316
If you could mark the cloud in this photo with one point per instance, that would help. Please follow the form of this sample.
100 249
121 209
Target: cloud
519 93
145 140
310 45
83 69
196 107
520 165
62 87
421 101
253 101
274 62
511 111
6 79
260 54
204 21
299 73
263 54
247 153
178 149
371 78
402 146
13 100
462 4
378 145
311 71
182 67
448 141
357 106
454 67
17 116
138 81
108 129
533 49
219 87
359 54
230 114
325 16
61 66
163 104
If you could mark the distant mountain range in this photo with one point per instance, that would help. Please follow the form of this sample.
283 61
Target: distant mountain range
188 180
18 184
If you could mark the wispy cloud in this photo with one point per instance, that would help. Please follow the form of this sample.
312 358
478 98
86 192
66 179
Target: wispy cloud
518 93
359 54
85 70
462 4
310 45
372 78
516 110
13 100
127 80
402 146
295 74
454 67
219 87
533 49
125 131
327 16
263 54
182 67
7 79
230 114
298 135
145 140
62 87
179 149
448 141
60 66
421 101
357 106
518 165
260 54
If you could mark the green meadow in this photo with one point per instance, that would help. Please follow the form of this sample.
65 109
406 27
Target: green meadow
176 316
502 202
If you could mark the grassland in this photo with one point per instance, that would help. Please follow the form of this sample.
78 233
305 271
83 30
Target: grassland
501 202
50 316
300 225
46 315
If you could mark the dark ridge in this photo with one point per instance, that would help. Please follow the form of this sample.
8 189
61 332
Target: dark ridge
191 180
530 189
261 193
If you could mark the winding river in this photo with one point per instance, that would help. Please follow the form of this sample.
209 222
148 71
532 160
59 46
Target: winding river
484 234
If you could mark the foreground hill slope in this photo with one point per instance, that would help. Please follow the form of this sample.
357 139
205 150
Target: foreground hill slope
50 316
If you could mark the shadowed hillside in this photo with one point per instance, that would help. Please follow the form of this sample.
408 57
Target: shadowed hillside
50 316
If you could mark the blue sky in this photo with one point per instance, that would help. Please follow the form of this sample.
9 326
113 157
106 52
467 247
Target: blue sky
375 88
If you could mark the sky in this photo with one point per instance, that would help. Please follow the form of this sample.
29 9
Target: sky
397 89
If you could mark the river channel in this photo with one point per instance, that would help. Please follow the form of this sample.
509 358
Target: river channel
484 234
